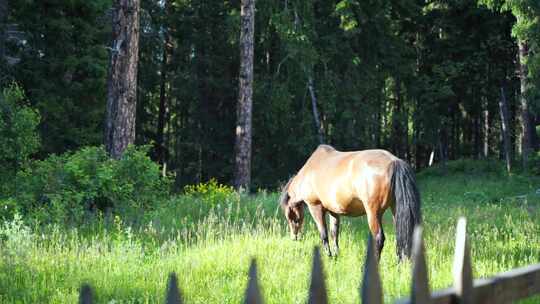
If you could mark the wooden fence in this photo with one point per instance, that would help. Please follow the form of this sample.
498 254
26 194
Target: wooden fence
506 287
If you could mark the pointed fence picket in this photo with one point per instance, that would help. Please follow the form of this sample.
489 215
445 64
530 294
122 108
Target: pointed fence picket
420 284
317 288
173 293
85 295
462 270
253 294
371 291
506 287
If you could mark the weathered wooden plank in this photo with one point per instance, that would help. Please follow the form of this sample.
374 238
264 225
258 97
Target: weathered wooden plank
253 293
317 288
506 287
462 269
420 281
173 293
444 296
441 296
509 286
371 290
86 294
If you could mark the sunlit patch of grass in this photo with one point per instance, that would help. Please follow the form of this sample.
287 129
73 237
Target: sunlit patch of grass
209 246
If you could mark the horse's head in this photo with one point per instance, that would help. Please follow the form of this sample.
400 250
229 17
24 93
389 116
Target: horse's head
295 217
294 211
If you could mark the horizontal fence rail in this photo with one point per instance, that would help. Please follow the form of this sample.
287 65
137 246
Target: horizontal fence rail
506 287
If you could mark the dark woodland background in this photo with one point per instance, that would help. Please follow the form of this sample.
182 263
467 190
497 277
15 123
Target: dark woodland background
404 75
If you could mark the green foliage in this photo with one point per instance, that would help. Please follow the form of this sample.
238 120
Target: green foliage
63 67
534 163
212 248
211 192
18 134
16 237
525 29
401 75
8 207
66 187
470 167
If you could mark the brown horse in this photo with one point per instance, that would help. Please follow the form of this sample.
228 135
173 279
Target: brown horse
354 183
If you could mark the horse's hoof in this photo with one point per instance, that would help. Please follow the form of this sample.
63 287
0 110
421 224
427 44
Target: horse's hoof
328 252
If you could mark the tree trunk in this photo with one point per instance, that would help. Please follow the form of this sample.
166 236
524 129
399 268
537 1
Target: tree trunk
3 23
377 124
503 111
485 131
534 135
476 140
455 152
384 116
396 120
406 148
417 160
514 112
122 80
525 120
163 115
202 113
443 148
242 178
318 125
383 110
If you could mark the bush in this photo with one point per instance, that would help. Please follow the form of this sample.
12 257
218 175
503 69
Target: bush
534 163
65 187
466 166
18 135
211 192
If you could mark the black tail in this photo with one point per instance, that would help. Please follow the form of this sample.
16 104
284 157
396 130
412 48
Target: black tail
407 200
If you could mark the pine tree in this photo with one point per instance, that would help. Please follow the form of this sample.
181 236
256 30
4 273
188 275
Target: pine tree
122 82
245 102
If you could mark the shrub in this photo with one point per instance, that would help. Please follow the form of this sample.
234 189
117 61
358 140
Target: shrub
211 192
466 166
16 238
534 163
18 135
65 187
8 208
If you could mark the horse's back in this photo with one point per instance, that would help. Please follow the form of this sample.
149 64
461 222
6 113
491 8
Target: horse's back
344 182
328 161
376 159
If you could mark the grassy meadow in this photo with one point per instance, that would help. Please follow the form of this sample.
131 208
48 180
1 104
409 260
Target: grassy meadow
209 236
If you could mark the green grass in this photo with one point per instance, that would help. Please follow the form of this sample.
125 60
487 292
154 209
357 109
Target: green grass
209 243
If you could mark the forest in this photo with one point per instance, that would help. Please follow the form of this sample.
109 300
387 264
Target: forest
413 77
144 137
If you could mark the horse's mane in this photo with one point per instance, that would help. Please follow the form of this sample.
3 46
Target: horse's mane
325 147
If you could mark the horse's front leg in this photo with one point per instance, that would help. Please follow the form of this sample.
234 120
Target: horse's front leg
318 214
334 231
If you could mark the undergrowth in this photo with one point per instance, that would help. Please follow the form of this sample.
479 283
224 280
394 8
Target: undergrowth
208 236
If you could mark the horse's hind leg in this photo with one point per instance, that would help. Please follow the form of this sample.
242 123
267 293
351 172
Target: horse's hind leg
334 231
375 226
318 213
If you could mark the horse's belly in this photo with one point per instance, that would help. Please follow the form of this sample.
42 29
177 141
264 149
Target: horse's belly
353 207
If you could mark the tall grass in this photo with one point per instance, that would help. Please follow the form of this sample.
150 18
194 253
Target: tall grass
208 240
